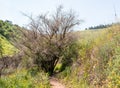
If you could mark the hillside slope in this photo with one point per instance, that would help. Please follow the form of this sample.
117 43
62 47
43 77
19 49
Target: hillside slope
7 31
98 63
7 47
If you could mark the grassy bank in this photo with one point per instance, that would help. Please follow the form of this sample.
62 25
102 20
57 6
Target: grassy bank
98 62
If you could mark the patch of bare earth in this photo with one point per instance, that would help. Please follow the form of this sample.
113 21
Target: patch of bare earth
55 83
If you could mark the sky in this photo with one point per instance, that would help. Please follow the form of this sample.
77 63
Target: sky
92 12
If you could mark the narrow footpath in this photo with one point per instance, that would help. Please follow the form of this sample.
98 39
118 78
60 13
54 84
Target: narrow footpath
55 83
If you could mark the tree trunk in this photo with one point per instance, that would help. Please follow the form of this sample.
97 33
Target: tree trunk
48 66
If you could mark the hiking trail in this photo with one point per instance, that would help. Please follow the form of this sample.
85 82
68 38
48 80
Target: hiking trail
55 83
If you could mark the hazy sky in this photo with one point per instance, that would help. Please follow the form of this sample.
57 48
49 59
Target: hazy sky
93 12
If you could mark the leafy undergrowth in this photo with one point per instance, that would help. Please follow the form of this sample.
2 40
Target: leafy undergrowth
8 31
25 79
98 63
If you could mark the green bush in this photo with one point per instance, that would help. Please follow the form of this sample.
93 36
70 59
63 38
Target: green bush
22 79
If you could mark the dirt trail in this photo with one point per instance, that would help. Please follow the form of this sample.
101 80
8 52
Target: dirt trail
55 83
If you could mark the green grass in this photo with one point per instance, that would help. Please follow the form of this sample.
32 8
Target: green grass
99 58
24 79
96 66
7 48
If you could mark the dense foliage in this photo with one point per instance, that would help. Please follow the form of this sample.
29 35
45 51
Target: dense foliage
93 61
48 38
7 31
6 28
25 79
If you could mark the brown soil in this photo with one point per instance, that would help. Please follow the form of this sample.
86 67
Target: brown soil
55 83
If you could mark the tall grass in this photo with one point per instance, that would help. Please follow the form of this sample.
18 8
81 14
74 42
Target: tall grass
99 60
24 79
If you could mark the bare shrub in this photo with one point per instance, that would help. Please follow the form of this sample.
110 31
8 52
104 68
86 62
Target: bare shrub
48 37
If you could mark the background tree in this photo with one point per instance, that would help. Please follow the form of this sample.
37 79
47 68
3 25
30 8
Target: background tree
48 37
7 29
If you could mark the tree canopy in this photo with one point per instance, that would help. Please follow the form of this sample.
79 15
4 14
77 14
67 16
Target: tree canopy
48 37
